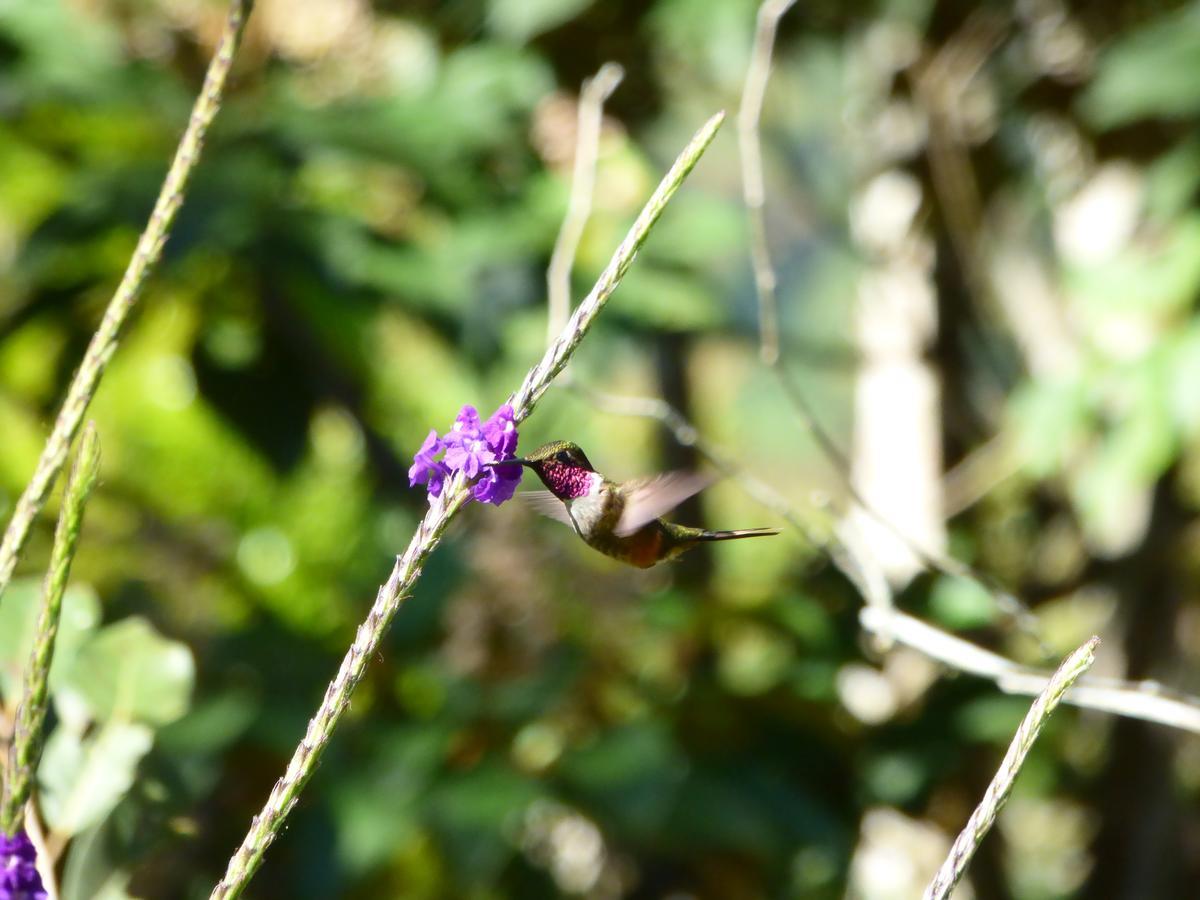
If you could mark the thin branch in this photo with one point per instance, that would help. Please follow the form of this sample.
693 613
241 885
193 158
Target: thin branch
753 186
871 584
145 257
1001 786
978 473
1145 700
27 742
1141 700
266 826
596 90
766 285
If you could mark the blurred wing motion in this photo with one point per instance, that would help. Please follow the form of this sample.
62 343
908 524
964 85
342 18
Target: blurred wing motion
546 504
647 499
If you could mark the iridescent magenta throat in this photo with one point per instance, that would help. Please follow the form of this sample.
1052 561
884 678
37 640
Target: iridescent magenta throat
567 482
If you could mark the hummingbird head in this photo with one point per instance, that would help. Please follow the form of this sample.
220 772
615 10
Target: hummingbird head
563 468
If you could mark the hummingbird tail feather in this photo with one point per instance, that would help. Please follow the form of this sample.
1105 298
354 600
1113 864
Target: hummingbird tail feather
735 535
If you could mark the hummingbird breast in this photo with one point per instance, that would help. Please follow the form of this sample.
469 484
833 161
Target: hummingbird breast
595 516
597 511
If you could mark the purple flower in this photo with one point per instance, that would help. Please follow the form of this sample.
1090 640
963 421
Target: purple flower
471 446
427 469
467 450
499 483
19 878
500 431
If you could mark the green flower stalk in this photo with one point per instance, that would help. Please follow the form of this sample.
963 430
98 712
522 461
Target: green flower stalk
997 792
145 257
27 742
453 494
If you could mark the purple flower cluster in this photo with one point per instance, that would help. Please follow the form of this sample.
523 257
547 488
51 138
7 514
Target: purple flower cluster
19 878
470 445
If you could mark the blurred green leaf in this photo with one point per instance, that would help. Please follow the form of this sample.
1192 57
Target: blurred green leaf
82 779
473 812
992 719
1149 279
18 619
378 807
1052 419
753 658
897 777
211 724
62 51
660 298
630 776
961 604
128 672
92 870
520 20
1149 72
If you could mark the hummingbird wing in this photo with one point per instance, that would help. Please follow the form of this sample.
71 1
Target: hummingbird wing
546 504
646 499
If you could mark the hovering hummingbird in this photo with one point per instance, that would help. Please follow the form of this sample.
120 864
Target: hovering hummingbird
620 520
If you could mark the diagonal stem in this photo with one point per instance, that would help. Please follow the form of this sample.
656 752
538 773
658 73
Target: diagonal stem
145 257
31 714
997 792
265 826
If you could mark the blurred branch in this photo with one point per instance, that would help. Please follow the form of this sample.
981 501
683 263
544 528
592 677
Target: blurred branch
27 742
753 187
266 826
940 85
685 433
145 257
766 283
1146 700
975 476
596 90
997 792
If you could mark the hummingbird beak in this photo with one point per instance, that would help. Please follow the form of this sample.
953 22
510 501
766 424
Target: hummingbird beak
516 461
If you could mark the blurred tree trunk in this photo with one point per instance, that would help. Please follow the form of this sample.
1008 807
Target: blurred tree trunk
1139 850
671 357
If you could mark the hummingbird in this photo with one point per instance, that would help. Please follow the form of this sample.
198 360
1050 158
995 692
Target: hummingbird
620 520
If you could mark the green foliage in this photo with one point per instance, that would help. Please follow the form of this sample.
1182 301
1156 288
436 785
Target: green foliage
363 251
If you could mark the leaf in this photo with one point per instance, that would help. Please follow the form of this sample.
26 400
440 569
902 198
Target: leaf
92 871
671 300
1147 278
1149 72
520 20
18 618
959 604
83 780
471 813
129 672
629 776
1052 421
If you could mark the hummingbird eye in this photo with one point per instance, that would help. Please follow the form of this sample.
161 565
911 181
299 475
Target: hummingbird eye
563 456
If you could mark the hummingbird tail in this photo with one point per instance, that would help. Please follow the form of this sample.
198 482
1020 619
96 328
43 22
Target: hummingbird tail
735 535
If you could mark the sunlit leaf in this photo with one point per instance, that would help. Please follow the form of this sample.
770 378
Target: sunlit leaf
128 672
1150 71
82 779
